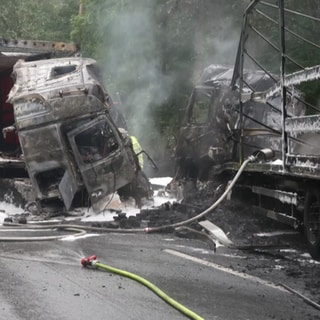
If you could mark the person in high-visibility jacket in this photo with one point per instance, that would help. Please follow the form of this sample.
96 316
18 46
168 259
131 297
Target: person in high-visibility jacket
137 149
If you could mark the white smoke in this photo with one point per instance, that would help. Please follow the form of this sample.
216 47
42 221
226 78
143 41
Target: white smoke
133 61
134 67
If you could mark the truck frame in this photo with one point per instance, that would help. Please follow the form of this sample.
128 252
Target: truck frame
263 101
58 132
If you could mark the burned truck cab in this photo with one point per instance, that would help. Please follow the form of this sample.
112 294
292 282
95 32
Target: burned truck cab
205 126
210 134
71 147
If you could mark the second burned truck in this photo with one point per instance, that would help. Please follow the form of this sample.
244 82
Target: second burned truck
258 104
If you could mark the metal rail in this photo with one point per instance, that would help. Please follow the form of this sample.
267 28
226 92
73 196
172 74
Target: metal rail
291 72
25 46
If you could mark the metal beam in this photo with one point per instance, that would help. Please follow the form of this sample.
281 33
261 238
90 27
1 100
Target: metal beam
36 46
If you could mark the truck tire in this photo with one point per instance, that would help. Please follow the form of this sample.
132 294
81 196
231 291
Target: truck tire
311 221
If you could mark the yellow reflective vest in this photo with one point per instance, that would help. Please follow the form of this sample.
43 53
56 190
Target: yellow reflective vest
137 149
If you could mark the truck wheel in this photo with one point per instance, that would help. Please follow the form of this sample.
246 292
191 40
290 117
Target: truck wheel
312 222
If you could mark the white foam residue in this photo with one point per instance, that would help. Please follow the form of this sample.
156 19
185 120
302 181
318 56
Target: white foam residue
88 214
75 237
126 207
2 217
7 209
163 181
278 267
310 260
107 215
305 75
296 78
275 233
308 164
277 162
288 250
158 201
232 255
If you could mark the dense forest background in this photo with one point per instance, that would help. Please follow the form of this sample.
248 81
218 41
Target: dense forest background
152 52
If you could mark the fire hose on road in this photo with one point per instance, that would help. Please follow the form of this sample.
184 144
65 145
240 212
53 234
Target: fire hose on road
80 230
93 262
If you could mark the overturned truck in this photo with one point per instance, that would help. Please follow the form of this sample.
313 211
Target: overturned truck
58 133
259 104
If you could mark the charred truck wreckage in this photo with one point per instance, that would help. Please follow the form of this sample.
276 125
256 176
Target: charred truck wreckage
260 105
58 132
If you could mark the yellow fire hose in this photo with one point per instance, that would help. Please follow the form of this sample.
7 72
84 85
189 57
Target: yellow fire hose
91 261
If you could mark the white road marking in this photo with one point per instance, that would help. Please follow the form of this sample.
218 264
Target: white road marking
224 269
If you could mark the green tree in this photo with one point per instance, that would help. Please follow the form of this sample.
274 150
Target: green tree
37 19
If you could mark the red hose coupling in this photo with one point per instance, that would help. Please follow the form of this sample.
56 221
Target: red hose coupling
88 261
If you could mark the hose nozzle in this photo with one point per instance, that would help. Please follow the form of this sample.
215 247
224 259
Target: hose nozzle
262 155
88 261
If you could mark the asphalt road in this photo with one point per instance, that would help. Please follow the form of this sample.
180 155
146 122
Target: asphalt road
45 280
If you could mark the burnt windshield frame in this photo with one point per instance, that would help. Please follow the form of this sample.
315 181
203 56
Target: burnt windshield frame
92 136
96 143
199 111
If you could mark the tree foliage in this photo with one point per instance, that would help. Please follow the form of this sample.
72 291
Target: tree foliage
37 19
